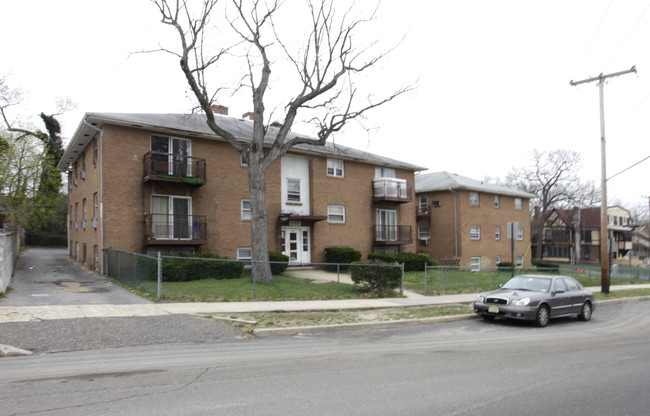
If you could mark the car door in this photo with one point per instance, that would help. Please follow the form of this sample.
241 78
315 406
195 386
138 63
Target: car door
560 300
575 294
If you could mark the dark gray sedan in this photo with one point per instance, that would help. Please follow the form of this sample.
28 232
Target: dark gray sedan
536 298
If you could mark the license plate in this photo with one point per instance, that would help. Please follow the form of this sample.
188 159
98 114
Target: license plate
493 309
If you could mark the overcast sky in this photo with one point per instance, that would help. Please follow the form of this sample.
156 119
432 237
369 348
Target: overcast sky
493 78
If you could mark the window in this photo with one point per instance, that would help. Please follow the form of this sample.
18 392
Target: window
246 209
385 225
475 264
384 172
587 252
473 199
171 155
244 254
293 190
520 234
424 232
95 206
572 285
518 204
95 151
496 201
498 260
336 213
335 168
497 233
85 209
171 217
475 232
242 160
305 241
424 200
520 261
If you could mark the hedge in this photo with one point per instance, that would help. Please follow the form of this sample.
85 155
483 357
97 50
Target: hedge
546 266
200 266
345 255
376 276
412 261
45 239
278 268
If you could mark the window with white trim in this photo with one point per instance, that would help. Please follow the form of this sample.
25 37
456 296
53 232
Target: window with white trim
520 261
424 232
336 213
498 260
518 204
496 201
381 172
473 199
475 232
335 168
520 234
244 254
475 264
246 210
497 233
293 190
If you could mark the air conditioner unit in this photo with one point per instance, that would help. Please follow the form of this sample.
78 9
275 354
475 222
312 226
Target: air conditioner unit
436 203
424 242
83 174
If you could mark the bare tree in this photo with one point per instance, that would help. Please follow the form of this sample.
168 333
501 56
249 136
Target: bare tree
553 178
324 70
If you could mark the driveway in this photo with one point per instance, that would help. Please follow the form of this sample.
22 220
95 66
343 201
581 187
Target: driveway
46 276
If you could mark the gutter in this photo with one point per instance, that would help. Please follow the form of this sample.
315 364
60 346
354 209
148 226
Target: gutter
455 222
101 190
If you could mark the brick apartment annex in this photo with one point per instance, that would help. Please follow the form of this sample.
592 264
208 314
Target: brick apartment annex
164 182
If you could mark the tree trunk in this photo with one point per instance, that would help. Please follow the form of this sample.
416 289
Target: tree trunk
260 268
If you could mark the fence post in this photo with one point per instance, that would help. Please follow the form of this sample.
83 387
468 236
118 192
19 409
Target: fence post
159 295
425 277
444 289
401 289
338 279
135 270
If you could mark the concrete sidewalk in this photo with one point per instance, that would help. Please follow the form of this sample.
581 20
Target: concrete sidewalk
53 312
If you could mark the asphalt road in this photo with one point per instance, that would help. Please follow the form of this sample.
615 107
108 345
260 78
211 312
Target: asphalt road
45 276
462 368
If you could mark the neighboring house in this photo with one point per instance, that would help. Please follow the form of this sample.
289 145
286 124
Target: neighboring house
463 221
573 235
641 242
152 183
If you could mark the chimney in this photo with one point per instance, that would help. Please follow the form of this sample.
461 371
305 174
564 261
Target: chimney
250 115
219 109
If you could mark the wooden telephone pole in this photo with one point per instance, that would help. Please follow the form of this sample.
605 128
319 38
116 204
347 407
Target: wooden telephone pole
604 233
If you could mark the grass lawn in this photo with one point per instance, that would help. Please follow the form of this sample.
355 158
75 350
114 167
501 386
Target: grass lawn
239 290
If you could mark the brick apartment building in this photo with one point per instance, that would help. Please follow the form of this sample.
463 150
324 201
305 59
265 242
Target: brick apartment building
165 183
462 221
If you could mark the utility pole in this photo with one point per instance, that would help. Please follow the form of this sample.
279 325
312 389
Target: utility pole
604 233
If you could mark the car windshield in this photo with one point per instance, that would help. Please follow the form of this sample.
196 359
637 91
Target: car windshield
532 283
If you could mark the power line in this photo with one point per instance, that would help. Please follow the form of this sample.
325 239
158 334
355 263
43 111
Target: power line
629 167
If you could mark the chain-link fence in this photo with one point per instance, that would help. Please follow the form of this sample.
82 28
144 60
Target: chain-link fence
458 279
207 278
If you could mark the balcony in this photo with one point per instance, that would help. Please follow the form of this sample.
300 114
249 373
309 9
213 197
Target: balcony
391 190
169 229
422 211
390 235
169 167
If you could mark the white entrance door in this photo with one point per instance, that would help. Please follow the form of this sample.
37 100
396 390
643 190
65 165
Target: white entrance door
295 244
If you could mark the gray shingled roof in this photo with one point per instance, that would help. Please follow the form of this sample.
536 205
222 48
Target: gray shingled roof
444 181
194 125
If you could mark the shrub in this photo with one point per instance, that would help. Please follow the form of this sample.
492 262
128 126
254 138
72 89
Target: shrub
546 266
505 265
376 276
383 257
45 239
278 268
414 261
200 266
345 255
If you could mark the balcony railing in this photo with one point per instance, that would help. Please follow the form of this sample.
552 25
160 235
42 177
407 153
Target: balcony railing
422 211
391 189
169 167
392 234
170 229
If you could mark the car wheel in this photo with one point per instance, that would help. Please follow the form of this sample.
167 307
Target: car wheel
543 316
585 312
488 317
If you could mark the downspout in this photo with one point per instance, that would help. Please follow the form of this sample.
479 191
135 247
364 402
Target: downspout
455 223
101 191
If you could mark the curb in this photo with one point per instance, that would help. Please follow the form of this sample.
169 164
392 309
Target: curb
9 351
356 327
